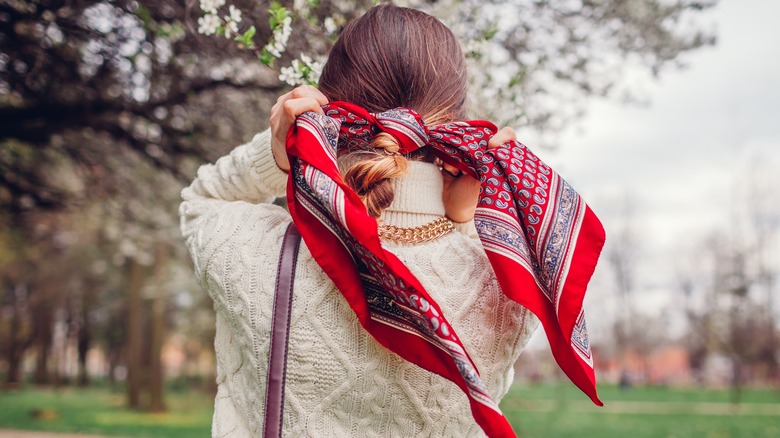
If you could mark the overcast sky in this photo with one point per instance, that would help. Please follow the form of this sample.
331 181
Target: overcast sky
682 157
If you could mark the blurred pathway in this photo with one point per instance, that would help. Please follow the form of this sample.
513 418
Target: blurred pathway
5 433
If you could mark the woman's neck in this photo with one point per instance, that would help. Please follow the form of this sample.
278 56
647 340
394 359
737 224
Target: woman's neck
417 199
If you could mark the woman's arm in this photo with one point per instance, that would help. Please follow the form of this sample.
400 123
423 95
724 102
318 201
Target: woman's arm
225 195
254 172
227 207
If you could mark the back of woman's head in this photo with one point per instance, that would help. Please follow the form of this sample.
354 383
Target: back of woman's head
393 57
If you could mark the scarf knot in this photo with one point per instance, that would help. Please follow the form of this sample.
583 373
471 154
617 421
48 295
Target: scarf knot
406 126
358 126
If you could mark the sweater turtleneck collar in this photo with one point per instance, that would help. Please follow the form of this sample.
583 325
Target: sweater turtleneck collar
417 198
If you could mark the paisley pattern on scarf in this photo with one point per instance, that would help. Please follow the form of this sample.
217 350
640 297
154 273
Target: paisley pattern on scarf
540 237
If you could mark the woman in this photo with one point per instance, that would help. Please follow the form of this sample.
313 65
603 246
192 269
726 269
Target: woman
341 380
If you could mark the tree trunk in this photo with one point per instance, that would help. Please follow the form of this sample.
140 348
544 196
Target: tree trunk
42 359
156 378
84 342
14 371
736 381
19 340
737 351
43 317
114 360
774 367
13 356
135 333
83 346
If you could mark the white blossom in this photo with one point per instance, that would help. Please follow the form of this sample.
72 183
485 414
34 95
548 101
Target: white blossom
208 24
273 50
283 34
475 48
231 21
231 28
316 71
235 14
211 6
330 25
290 76
279 41
302 71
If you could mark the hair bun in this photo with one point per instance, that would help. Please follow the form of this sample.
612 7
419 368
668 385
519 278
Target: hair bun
369 172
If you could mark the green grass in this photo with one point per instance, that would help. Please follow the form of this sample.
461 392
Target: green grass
535 411
560 411
101 411
612 393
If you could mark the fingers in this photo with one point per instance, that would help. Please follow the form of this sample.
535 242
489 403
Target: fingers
293 108
282 98
304 91
283 114
452 170
296 102
449 170
309 91
289 106
505 135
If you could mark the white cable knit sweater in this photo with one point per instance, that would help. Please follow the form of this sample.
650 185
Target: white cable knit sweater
340 382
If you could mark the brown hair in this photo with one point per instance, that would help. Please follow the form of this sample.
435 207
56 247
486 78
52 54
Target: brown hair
393 57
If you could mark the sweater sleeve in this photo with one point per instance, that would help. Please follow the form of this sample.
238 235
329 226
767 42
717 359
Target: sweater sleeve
227 209
228 206
233 233
467 228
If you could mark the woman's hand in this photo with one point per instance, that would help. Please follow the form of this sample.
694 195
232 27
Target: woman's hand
461 191
283 114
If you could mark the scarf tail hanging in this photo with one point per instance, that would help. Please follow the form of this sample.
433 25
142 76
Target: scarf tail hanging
529 217
528 220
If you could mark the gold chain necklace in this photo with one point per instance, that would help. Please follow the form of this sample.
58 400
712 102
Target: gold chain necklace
419 234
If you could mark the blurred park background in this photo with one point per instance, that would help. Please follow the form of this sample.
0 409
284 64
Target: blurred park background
661 112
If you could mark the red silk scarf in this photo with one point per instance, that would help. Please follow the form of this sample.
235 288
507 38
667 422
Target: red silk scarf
541 238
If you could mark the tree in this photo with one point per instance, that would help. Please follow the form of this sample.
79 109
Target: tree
763 223
622 253
725 311
86 83
555 55
107 107
87 80
696 308
535 62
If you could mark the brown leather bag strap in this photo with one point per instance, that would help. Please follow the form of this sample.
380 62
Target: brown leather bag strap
280 331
